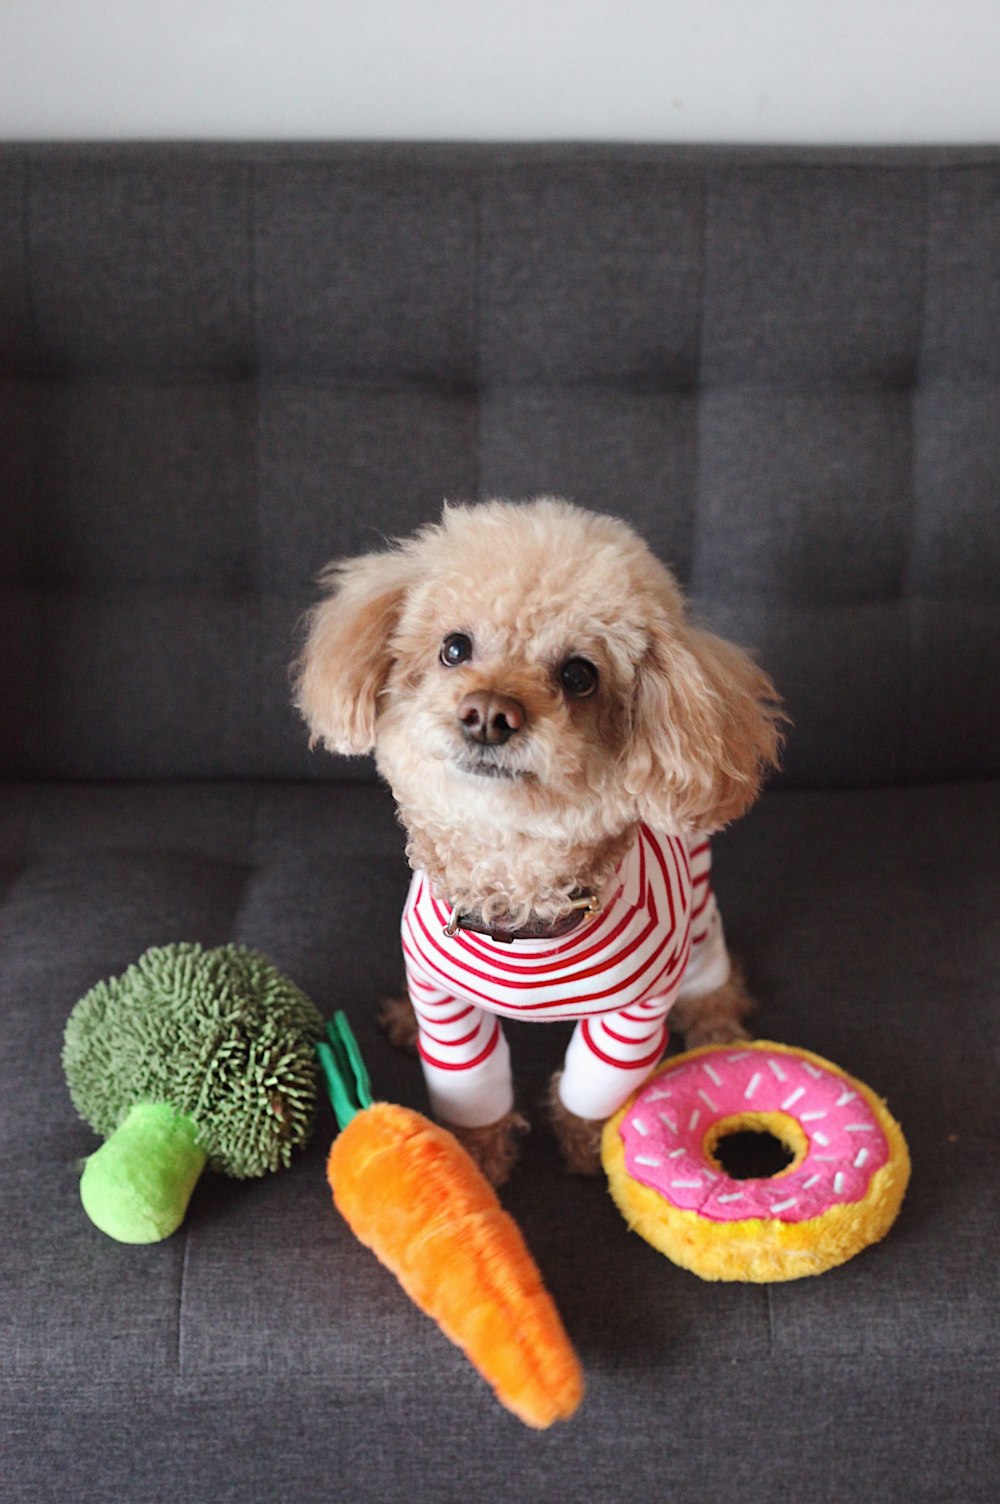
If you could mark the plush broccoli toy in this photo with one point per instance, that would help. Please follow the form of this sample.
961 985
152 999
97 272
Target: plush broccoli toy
191 1058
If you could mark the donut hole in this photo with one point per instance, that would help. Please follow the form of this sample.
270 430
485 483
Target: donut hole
756 1146
753 1154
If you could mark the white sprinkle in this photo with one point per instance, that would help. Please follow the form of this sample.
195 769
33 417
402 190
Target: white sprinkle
660 1095
640 1127
812 1117
782 1206
821 1138
838 1183
648 1159
707 1100
695 1117
807 1185
743 1054
667 1123
686 1185
752 1085
817 1075
845 1097
712 1075
731 1196
676 1153
830 1159
776 1068
860 1158
796 1096
858 1127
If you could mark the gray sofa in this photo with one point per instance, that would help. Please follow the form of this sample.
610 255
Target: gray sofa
222 365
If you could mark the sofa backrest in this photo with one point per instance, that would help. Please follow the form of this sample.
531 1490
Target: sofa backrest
222 365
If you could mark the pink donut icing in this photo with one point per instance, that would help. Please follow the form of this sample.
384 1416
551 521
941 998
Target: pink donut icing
664 1132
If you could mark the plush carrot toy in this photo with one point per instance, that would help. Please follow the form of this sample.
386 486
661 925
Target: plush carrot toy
415 1197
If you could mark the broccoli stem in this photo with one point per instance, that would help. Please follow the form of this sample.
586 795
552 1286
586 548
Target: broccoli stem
137 1186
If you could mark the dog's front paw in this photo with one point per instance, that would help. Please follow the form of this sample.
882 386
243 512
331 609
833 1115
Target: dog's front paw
496 1147
579 1139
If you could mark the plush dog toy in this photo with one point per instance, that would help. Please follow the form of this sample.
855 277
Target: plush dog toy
560 741
837 1187
191 1058
410 1193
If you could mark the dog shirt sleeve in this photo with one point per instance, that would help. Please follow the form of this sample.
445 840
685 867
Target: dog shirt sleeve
708 966
464 1056
610 1055
463 1053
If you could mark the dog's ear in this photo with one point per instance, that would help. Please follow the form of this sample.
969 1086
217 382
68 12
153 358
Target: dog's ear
344 665
704 729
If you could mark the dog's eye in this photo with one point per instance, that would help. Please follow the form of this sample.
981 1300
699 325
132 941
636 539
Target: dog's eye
578 677
456 649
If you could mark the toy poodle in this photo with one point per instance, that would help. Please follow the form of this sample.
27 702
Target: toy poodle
560 741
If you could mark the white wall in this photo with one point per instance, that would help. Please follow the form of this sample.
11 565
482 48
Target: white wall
880 71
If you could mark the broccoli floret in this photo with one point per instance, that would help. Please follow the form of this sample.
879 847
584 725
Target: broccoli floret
190 1057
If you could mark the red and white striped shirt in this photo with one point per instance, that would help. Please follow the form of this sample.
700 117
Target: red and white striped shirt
617 973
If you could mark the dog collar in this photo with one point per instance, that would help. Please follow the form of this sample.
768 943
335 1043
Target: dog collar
582 905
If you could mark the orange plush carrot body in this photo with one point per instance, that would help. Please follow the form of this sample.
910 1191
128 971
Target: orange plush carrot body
411 1193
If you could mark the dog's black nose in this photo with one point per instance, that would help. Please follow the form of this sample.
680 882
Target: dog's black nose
490 718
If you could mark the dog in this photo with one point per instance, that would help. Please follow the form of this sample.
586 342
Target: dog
560 741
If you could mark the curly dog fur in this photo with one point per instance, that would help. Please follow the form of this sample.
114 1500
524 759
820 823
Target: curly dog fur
669 725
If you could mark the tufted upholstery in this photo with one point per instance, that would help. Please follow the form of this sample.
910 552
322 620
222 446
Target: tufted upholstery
220 366
223 365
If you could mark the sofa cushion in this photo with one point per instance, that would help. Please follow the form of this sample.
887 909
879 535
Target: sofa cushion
221 366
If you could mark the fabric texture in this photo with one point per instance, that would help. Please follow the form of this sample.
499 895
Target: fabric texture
220 366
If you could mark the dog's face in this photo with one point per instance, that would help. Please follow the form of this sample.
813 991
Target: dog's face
513 665
525 672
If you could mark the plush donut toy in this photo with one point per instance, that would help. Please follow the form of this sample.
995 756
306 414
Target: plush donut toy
848 1171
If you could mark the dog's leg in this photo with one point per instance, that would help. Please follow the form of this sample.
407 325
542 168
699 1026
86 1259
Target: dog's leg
495 1147
579 1139
398 1023
716 1017
607 1059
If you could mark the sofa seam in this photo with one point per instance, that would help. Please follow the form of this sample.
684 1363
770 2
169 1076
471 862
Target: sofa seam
477 315
258 614
699 388
30 299
180 1356
37 628
902 762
